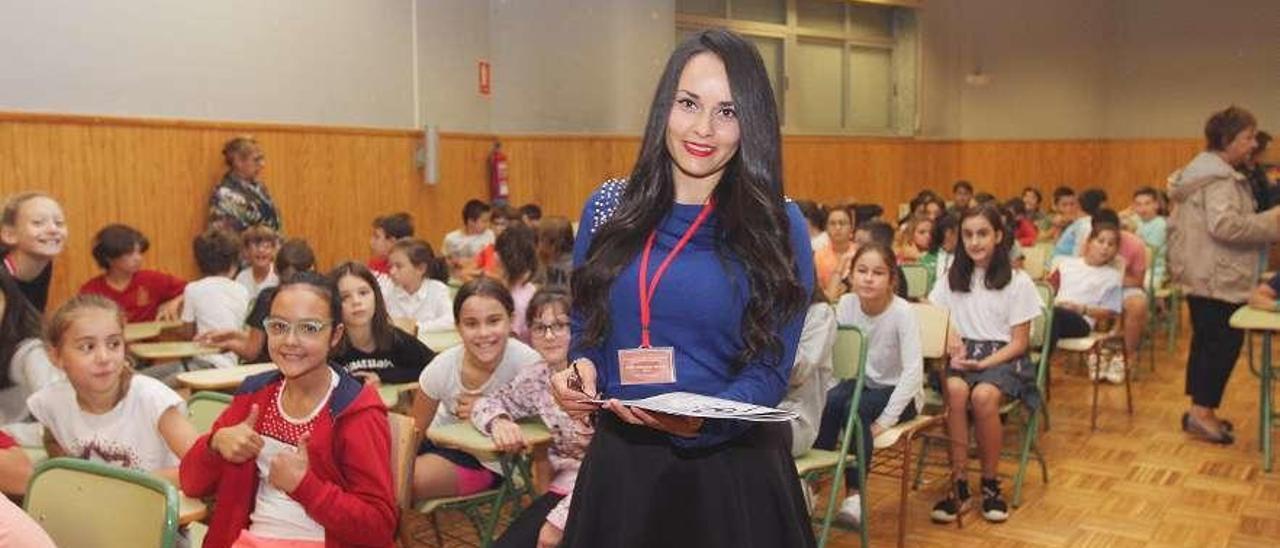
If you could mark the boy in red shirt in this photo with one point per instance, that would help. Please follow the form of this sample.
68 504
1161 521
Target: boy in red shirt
145 295
387 230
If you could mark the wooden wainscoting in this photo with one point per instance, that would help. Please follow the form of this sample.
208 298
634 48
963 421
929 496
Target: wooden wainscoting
330 182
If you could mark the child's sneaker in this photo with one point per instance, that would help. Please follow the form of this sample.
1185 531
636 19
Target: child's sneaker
946 510
1115 370
851 512
994 508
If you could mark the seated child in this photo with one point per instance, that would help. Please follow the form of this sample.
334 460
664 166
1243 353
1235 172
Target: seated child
260 244
102 411
145 295
387 230
302 456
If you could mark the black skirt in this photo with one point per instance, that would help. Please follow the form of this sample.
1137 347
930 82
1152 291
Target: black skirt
635 489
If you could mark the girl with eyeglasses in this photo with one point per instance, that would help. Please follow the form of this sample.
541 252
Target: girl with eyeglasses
487 360
372 349
529 395
301 457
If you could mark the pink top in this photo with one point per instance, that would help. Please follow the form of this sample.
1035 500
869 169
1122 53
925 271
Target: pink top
521 295
18 529
529 395
1134 252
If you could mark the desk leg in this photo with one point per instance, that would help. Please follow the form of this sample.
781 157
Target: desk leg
1265 403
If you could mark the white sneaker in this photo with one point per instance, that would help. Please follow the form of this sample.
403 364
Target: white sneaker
1115 370
1091 360
851 511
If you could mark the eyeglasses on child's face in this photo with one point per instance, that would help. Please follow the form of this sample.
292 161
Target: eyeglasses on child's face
549 329
277 327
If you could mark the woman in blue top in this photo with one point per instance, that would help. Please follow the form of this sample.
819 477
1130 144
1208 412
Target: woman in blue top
692 276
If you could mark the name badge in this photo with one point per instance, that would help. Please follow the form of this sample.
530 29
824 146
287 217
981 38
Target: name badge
647 365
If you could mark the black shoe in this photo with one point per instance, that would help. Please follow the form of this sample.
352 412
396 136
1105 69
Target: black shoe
1220 437
946 510
994 508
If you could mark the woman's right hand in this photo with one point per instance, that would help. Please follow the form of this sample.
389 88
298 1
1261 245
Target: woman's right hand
573 387
507 436
238 443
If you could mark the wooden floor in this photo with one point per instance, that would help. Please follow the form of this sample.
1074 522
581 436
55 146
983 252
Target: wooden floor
1136 481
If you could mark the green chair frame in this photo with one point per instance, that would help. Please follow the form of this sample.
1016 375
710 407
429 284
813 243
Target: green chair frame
849 359
484 509
64 493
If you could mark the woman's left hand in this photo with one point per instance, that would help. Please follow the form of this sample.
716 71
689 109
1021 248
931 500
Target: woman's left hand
685 427
549 536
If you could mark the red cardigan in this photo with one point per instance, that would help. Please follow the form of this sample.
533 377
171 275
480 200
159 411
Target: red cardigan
347 488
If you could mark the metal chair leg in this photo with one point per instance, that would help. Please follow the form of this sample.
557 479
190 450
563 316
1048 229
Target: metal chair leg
1093 417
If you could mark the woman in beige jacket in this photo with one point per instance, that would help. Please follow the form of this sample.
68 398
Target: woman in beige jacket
1216 243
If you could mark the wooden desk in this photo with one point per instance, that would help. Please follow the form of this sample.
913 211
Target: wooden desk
171 350
142 331
190 510
229 379
465 437
1266 323
221 380
438 341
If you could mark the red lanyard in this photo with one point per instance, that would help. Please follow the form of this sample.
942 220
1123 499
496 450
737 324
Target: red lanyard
647 288
10 266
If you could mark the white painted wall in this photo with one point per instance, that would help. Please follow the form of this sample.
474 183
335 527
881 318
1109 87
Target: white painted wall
453 36
582 66
1096 68
1057 69
310 61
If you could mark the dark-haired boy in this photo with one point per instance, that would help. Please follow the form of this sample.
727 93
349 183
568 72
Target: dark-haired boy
144 295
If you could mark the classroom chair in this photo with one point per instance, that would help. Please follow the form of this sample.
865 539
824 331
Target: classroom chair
65 496
849 359
204 407
1015 412
916 276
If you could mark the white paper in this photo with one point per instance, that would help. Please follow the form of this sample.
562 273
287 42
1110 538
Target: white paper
708 407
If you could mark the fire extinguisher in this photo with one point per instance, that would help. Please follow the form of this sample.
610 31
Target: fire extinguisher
498 191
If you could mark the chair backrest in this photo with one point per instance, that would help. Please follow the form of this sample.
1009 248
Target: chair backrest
1046 293
402 454
204 407
1034 259
934 322
849 355
916 276
91 504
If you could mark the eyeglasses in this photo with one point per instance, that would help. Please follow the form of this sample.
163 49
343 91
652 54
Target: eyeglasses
549 329
307 329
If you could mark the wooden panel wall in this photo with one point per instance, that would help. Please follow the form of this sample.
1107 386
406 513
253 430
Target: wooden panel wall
331 182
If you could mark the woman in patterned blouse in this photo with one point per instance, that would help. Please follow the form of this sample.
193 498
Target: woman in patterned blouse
241 200
529 395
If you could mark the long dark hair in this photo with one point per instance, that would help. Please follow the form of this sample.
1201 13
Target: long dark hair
753 223
380 325
517 247
999 272
19 322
